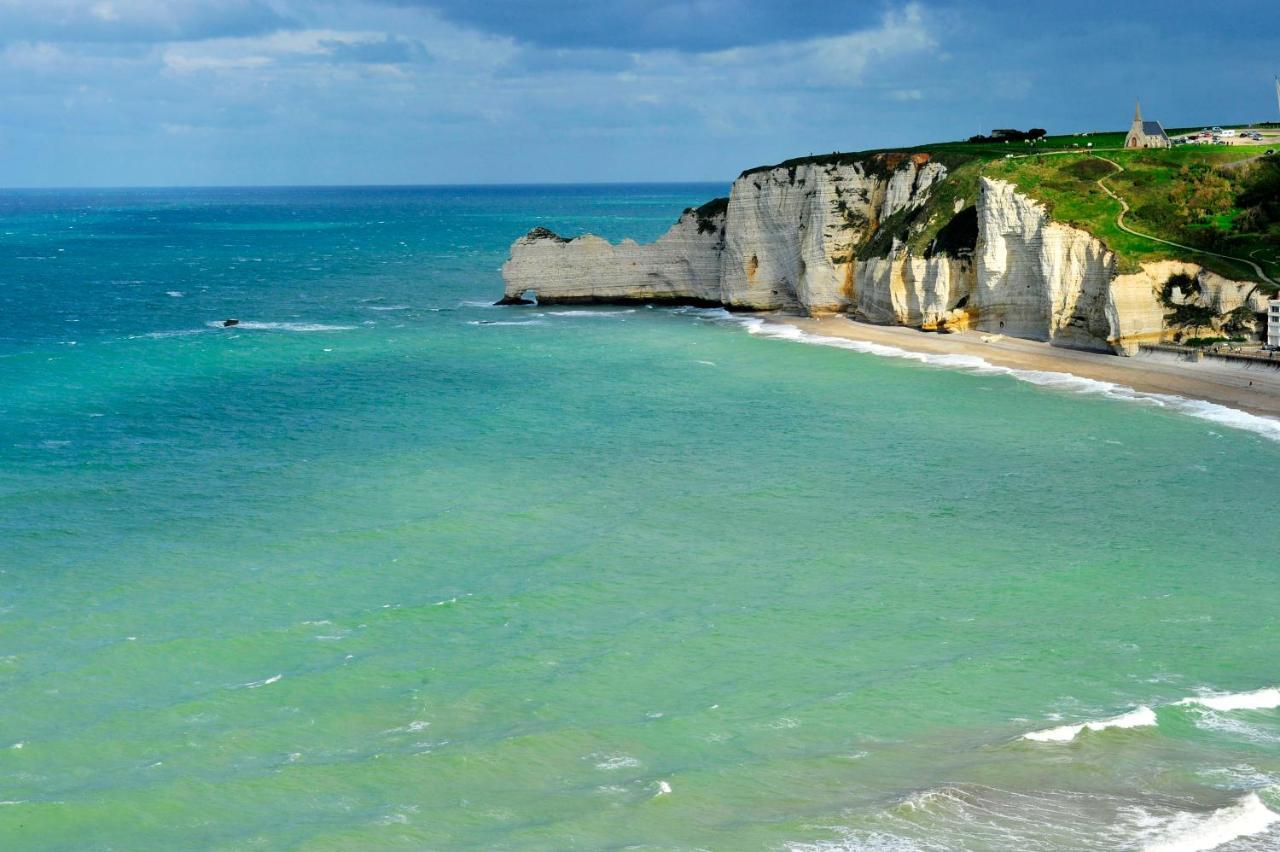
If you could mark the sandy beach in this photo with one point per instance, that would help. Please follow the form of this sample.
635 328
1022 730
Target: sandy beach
1255 389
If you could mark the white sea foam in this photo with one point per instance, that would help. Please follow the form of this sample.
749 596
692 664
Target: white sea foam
1139 718
413 727
177 294
160 335
257 683
280 326
1222 415
1194 832
1233 726
703 313
978 817
591 313
611 762
506 322
387 307
1259 699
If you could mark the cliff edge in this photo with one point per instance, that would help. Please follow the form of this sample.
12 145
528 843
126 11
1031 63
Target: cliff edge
893 239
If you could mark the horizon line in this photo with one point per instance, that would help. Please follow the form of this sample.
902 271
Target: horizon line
495 185
503 184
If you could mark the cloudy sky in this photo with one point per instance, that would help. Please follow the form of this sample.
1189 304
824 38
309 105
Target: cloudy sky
195 92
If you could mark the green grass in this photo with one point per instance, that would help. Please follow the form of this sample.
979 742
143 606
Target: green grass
954 154
1060 172
1067 186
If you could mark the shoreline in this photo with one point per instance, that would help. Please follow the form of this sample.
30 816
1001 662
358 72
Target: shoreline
1255 390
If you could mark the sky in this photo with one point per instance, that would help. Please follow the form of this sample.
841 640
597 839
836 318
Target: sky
293 92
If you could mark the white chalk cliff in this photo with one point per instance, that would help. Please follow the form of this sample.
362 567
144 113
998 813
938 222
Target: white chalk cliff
820 238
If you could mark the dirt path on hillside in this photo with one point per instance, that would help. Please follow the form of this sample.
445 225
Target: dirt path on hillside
1124 208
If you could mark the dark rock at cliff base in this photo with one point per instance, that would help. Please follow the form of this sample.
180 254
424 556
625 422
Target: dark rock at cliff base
515 300
541 233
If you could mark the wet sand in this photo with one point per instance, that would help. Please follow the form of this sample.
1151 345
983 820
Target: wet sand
1252 388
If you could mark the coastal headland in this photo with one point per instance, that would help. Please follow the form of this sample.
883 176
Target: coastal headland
1056 254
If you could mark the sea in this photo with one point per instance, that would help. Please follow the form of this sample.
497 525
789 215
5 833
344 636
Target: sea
383 566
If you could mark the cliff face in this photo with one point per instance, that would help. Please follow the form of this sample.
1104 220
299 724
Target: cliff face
682 266
1138 312
829 237
925 293
1036 278
793 233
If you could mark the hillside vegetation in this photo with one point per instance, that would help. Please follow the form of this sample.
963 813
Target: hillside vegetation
1209 198
1221 200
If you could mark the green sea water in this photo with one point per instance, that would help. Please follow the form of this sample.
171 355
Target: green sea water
383 567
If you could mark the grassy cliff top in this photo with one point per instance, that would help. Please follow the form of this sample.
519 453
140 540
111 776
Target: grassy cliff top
953 154
1224 200
1220 199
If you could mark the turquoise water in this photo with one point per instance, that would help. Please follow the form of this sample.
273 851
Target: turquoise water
383 567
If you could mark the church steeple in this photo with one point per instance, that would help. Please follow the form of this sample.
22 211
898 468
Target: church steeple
1137 111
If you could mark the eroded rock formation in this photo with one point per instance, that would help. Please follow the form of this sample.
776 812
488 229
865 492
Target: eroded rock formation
828 237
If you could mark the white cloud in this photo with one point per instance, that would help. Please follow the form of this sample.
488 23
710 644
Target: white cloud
135 20
839 60
295 46
351 76
104 12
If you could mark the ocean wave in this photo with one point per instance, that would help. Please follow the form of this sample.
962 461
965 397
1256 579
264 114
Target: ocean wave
1189 832
387 307
280 326
160 335
974 816
1222 415
1139 718
612 762
1232 726
1259 699
591 313
506 322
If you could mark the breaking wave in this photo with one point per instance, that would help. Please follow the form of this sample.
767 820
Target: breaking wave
1259 699
974 816
1140 718
591 313
1188 832
1214 413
